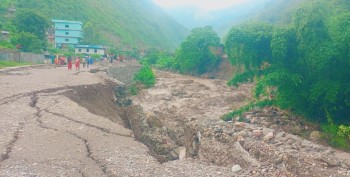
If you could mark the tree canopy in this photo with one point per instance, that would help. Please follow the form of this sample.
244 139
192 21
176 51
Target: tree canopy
196 53
31 22
307 61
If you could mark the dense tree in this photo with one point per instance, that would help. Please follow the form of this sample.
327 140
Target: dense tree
307 61
196 53
31 22
27 42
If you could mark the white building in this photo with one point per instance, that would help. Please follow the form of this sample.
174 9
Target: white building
90 49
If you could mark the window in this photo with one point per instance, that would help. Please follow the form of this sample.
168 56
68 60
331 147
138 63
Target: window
95 51
79 50
67 33
66 26
67 40
87 50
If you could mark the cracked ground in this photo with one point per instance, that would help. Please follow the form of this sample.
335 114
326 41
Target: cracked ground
45 133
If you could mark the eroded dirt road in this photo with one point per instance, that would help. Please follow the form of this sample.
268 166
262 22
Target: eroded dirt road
43 132
55 122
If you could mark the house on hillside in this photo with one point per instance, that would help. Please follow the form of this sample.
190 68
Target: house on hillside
5 35
90 49
65 33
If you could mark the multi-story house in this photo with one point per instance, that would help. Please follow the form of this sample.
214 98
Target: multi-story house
66 33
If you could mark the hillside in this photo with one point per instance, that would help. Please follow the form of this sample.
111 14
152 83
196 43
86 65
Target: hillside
221 20
120 23
277 11
273 11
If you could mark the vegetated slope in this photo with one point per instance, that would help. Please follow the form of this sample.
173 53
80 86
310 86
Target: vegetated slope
119 23
277 11
307 61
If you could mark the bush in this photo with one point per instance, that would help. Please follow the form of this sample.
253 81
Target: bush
133 90
337 136
146 76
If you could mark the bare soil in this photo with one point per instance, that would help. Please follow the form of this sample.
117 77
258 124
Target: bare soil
181 115
56 122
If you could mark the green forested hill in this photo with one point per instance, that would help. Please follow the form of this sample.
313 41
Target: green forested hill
120 23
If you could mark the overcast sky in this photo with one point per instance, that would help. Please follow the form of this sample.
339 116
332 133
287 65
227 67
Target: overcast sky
202 5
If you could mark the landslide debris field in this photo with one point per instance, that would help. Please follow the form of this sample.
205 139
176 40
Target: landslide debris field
56 122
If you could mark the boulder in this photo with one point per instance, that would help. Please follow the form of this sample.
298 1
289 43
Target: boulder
153 120
182 154
257 133
239 124
296 130
236 168
269 136
315 135
242 133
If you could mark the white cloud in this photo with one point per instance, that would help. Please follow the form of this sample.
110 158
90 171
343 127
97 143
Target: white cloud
202 5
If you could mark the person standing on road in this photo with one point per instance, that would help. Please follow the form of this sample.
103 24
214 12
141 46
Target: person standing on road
111 57
84 62
88 61
77 63
70 65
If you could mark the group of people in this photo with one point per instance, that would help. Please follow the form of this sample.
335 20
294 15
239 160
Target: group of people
87 61
59 60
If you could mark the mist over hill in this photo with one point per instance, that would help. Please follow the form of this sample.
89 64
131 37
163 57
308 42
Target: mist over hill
274 11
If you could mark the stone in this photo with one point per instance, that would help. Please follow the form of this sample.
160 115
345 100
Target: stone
267 131
280 135
306 143
296 130
269 136
274 127
279 160
331 162
293 137
236 168
257 133
153 120
239 124
242 133
182 154
315 135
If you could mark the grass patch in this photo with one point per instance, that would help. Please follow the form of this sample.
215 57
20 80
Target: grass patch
4 64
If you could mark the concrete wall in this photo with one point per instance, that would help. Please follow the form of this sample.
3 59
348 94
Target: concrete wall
71 26
23 57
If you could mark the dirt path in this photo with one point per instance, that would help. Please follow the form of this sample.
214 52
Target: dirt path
43 132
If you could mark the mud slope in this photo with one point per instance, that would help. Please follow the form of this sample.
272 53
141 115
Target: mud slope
179 119
55 122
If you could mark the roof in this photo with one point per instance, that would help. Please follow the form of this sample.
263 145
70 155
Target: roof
66 21
90 46
5 32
